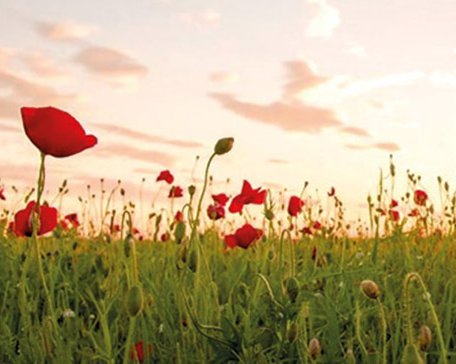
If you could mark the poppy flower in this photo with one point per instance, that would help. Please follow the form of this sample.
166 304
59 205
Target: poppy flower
420 197
55 132
295 205
393 203
164 237
220 199
306 231
175 191
137 353
215 212
165 176
179 216
73 219
2 196
414 213
247 196
394 215
243 237
23 220
317 225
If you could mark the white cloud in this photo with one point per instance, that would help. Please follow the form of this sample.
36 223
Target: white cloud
224 77
357 50
326 19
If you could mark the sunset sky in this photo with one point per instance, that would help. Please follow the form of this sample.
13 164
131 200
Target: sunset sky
312 90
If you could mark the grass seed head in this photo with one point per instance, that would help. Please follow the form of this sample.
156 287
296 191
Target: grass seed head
314 348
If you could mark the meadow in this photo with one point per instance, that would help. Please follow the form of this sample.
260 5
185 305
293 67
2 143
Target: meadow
283 282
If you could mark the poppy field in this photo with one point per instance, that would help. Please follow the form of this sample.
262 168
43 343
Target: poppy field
219 278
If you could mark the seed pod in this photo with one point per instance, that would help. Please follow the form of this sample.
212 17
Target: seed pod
292 288
425 338
293 332
269 214
411 355
135 301
370 289
193 261
223 146
314 348
191 190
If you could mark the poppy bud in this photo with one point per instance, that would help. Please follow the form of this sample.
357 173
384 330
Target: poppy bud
269 215
370 289
411 355
425 338
314 348
223 146
135 301
179 233
193 262
293 332
191 190
292 288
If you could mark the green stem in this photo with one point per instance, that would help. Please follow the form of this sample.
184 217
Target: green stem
200 202
35 229
435 318
131 329
383 321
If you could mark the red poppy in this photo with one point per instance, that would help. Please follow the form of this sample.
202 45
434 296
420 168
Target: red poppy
243 237
2 196
23 220
55 132
115 228
393 203
137 352
420 197
215 212
307 231
295 205
247 196
220 199
317 225
414 213
165 176
179 216
164 237
394 215
73 219
175 191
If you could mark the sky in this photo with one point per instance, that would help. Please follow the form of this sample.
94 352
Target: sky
311 90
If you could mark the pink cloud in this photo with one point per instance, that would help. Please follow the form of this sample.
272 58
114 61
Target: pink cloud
133 134
8 128
354 131
300 77
123 150
287 116
387 146
224 77
111 64
64 31
200 18
277 161
42 65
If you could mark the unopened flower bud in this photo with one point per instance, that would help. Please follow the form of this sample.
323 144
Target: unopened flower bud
314 348
223 146
411 355
370 289
191 190
425 338
135 301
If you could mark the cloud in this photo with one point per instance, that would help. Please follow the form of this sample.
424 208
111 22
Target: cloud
111 64
354 131
389 147
20 91
6 55
64 31
200 18
123 150
326 18
300 76
357 50
443 79
287 116
9 128
224 77
125 132
42 65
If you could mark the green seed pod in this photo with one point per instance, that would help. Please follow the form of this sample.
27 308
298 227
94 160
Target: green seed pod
193 261
293 332
191 190
179 232
223 146
135 301
292 288
411 355
314 348
370 289
425 338
269 214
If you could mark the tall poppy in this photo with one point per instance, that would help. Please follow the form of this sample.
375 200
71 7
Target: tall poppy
247 196
165 176
55 132
175 191
295 205
215 212
23 219
420 197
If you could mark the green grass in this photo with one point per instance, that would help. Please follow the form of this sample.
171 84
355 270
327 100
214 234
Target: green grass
203 304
